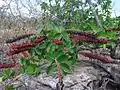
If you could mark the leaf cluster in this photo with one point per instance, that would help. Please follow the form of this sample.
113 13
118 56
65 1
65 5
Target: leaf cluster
48 51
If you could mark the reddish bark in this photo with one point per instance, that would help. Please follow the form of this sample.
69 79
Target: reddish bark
12 52
57 41
24 45
81 33
16 48
7 65
84 38
38 40
25 54
96 56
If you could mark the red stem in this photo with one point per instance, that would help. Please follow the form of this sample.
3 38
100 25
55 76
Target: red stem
57 41
81 33
7 65
25 54
96 56
84 38
12 52
58 71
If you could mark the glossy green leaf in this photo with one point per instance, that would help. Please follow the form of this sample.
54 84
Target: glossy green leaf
33 38
24 61
59 53
51 68
58 36
65 67
9 87
48 47
62 58
32 69
1 78
8 73
51 56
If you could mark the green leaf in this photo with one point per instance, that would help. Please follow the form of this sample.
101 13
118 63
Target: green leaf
71 61
29 70
32 69
8 73
38 52
9 87
51 69
65 67
52 49
1 78
59 52
24 61
58 36
42 46
103 46
33 38
62 58
66 37
112 44
71 50
50 56
66 42
48 47
94 28
102 34
36 58
32 52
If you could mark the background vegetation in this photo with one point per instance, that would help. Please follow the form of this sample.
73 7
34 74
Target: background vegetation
52 43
